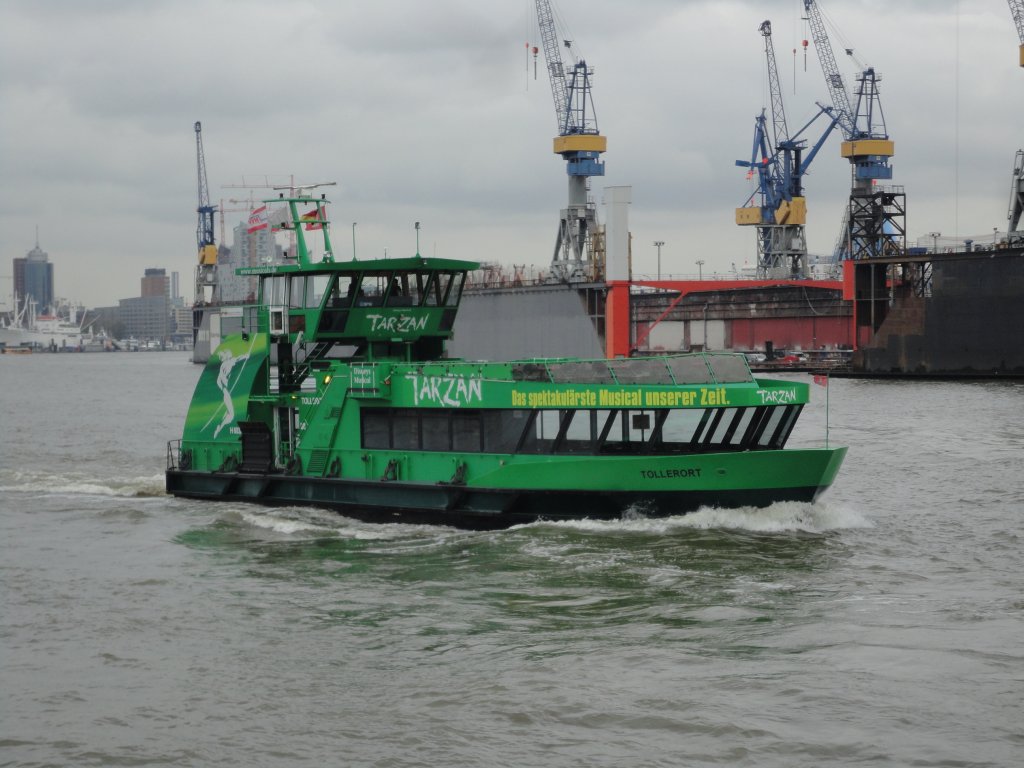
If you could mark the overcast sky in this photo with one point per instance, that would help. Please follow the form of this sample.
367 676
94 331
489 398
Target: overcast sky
428 111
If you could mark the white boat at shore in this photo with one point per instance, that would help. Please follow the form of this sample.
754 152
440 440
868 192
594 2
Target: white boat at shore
26 328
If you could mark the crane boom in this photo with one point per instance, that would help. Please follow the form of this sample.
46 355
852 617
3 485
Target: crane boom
1016 198
875 220
553 58
207 290
1017 11
833 79
204 230
778 110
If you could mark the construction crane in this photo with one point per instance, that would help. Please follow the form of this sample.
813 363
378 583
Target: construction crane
1014 234
781 210
781 131
875 220
1017 11
206 271
576 255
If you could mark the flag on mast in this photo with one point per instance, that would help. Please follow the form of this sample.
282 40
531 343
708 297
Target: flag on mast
821 379
258 219
314 219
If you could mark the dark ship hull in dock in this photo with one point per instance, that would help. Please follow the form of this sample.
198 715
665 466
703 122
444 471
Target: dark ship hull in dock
949 315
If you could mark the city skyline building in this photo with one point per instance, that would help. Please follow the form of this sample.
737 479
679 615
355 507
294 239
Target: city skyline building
33 278
155 282
248 249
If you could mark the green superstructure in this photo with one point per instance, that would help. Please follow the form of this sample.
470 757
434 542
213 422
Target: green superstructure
338 394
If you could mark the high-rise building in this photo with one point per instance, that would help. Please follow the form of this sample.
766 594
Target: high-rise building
156 283
33 278
250 249
148 316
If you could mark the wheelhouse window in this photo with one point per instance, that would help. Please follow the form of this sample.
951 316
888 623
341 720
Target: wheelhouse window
275 290
296 291
399 291
454 293
372 288
441 289
316 287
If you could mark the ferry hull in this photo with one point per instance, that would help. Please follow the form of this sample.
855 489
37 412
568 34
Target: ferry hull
488 508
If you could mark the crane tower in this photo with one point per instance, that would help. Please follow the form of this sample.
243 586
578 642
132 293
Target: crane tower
875 222
781 212
206 270
576 255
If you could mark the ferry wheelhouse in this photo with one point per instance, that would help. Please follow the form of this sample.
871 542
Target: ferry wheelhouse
338 394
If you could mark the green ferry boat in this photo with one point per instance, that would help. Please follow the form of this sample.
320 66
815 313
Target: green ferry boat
338 394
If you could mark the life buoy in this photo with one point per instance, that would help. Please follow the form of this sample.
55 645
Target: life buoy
335 469
294 466
186 460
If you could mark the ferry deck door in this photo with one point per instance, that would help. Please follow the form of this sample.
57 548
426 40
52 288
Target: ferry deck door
285 435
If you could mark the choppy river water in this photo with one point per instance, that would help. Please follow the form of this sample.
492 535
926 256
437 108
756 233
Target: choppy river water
881 626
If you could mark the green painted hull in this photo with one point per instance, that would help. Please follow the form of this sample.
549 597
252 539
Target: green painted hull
552 489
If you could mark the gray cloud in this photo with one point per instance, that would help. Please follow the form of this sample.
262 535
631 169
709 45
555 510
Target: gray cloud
430 112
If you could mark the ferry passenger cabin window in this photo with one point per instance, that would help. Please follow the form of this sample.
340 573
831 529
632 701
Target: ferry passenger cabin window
615 431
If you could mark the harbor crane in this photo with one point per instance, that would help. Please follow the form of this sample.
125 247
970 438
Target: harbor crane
1017 11
1014 234
875 220
781 210
206 271
577 255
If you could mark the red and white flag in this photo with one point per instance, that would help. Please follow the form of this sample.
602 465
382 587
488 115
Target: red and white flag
821 379
258 219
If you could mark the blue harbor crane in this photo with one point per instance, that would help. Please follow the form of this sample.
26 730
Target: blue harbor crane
1013 233
206 271
875 220
777 206
578 253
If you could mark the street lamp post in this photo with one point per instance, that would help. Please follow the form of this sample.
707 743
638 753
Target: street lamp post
700 269
354 240
935 240
658 244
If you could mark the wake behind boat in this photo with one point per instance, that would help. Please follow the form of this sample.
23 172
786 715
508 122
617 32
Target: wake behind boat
338 394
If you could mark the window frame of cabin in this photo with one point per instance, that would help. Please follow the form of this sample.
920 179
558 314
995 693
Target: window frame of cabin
564 431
